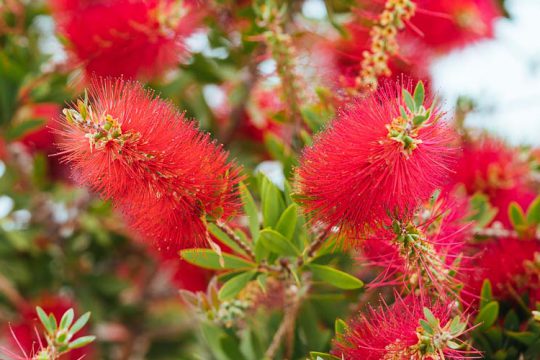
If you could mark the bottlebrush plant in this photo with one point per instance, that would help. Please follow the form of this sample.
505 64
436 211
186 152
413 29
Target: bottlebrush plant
242 180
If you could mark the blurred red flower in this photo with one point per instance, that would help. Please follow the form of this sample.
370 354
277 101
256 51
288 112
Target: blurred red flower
446 24
489 166
510 264
133 38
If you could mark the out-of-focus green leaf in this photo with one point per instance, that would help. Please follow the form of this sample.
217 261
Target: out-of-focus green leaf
335 277
233 286
487 316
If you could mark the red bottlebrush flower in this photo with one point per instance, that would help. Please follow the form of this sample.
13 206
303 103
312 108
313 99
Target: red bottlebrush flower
138 151
132 38
401 331
446 24
25 331
488 166
373 160
424 253
182 274
512 266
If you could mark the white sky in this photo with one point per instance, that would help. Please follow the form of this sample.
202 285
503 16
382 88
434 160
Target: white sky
501 75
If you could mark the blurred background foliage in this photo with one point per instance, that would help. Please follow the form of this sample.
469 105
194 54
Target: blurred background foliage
61 245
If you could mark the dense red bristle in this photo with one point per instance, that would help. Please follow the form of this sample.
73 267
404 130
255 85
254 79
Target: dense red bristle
508 263
387 332
165 175
354 174
125 37
443 25
489 166
446 24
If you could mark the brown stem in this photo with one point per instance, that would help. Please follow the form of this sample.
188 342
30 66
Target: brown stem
313 247
286 328
230 232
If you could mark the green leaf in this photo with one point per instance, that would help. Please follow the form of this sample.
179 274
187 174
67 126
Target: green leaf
44 318
208 259
233 286
322 356
511 321
67 319
80 342
487 316
403 112
431 319
408 100
419 120
52 322
277 243
526 337
19 130
335 277
533 212
457 326
79 324
425 325
287 222
419 94
341 327
231 347
516 215
486 295
483 212
251 211
273 203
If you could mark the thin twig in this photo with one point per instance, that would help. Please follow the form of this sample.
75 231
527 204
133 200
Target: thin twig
286 328
313 247
237 240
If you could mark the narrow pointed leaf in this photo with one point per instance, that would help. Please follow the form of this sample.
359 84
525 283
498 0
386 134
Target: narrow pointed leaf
232 287
277 243
208 259
335 277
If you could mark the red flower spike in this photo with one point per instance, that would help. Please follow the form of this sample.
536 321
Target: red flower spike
385 154
158 169
489 166
133 38
346 54
446 24
408 329
424 254
512 266
442 25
